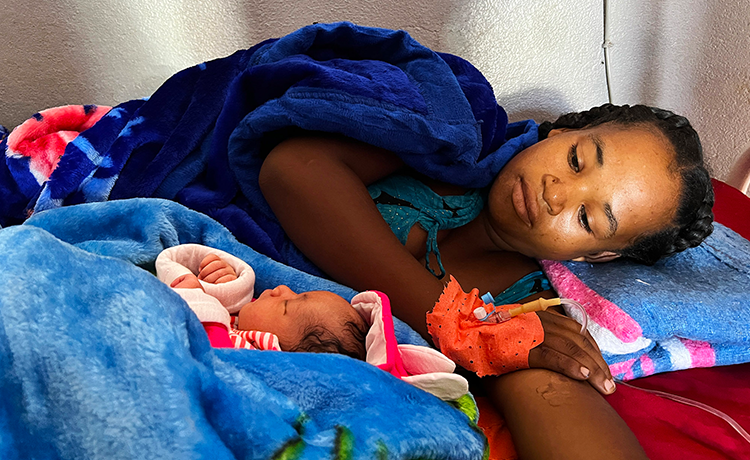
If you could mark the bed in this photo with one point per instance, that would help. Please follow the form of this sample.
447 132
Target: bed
152 173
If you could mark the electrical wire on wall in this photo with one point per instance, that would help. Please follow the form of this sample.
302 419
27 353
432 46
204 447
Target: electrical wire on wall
606 44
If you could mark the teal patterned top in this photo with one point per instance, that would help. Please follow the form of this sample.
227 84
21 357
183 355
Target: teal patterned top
404 201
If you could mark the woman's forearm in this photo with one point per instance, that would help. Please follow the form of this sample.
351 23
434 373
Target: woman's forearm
547 412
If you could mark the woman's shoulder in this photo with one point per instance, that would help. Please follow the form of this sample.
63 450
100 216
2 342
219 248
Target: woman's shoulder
438 187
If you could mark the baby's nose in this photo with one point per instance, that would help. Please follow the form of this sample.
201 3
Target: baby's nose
283 291
554 194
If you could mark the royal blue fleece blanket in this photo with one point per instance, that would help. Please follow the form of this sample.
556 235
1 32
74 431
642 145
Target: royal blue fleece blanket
99 359
201 137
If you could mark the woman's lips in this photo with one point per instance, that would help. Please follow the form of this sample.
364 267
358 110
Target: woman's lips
524 202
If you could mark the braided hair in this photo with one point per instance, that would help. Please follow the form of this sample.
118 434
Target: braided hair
694 217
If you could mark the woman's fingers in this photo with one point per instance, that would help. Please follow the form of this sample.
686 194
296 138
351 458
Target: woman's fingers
569 328
593 348
582 344
566 351
575 359
548 358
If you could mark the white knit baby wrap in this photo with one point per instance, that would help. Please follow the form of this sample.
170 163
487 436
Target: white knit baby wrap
218 300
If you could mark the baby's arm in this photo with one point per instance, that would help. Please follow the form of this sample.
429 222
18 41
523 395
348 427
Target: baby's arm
215 270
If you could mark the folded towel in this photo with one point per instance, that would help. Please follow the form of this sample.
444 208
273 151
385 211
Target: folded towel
421 366
186 258
688 310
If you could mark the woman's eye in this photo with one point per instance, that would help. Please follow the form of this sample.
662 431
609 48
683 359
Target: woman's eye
584 219
573 158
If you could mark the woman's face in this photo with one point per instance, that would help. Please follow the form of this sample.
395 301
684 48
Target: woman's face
581 193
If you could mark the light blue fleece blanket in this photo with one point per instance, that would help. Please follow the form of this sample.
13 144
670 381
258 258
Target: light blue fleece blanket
98 359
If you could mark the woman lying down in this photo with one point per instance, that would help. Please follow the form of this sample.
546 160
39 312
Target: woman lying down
219 288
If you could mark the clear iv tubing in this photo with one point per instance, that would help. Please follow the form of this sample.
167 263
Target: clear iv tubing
577 306
690 402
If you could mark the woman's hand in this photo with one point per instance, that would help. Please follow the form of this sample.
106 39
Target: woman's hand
566 351
216 270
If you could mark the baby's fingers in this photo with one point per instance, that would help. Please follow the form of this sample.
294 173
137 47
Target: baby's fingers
207 260
188 281
217 272
225 278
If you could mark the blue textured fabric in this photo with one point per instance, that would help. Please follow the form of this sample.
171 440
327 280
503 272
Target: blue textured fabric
530 284
201 137
404 201
99 359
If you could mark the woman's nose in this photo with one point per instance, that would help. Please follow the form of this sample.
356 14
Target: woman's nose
554 194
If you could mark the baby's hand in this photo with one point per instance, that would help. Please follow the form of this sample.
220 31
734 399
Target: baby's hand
188 281
566 351
215 270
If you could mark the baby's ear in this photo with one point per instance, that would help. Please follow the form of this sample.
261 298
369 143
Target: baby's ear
603 256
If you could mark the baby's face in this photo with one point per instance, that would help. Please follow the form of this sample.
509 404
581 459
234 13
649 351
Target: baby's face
285 313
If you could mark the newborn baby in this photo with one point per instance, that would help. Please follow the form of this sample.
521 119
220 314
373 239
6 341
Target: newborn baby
219 288
216 284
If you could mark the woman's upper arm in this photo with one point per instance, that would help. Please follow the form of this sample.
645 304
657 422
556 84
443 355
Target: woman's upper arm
293 155
316 186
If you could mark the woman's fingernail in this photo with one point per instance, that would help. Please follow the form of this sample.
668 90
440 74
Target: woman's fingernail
585 372
609 386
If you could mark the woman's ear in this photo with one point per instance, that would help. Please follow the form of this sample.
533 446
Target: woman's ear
557 131
604 256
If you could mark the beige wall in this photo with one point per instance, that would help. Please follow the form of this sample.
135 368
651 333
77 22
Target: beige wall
693 57
543 58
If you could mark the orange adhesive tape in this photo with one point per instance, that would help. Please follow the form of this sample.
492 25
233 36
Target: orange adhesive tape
484 348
